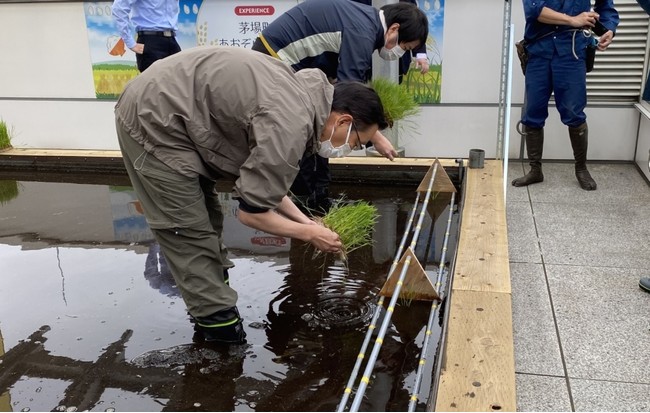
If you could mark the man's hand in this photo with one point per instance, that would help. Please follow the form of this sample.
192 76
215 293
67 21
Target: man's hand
138 48
585 19
383 146
422 64
605 40
324 239
277 224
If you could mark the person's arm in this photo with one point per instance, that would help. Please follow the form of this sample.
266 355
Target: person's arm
121 11
276 224
383 146
422 63
421 59
584 19
608 19
292 212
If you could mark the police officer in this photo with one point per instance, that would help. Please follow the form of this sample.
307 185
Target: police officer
557 34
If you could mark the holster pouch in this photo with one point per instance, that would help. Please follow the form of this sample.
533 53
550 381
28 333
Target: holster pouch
522 53
590 57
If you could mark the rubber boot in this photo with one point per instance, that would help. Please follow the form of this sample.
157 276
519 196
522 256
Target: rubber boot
534 147
644 283
579 142
222 327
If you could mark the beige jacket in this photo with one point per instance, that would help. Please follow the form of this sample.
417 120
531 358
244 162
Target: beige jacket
228 112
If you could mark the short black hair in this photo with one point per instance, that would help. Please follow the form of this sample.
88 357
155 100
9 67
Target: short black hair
362 102
413 23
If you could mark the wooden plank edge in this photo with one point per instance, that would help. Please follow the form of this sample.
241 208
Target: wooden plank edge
478 374
483 261
465 383
351 160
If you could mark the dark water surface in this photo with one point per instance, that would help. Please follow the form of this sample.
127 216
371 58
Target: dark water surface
90 318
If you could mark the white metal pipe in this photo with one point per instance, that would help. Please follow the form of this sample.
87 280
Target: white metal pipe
365 379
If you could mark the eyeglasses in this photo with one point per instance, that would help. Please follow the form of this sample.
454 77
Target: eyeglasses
359 146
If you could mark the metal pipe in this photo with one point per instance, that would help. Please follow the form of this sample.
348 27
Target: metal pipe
506 147
365 379
418 377
380 303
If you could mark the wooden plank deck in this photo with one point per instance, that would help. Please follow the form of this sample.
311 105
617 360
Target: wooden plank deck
479 372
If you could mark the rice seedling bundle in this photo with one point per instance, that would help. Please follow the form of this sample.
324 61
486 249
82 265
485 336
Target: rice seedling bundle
5 136
396 99
8 191
353 222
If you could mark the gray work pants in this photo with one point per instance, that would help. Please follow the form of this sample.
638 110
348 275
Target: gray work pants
185 216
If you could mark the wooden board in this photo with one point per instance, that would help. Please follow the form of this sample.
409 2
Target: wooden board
478 374
482 263
379 161
351 160
61 153
479 371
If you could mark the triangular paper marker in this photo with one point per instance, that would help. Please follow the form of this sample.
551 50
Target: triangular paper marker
442 183
438 202
415 286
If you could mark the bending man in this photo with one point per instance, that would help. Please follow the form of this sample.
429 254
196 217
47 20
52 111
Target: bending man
339 38
224 112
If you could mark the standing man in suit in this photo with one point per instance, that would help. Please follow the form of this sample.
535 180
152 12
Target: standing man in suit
154 21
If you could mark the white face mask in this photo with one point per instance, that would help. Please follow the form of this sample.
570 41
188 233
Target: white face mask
327 150
392 54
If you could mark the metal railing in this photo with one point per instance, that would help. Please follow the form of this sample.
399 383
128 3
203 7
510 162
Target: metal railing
407 261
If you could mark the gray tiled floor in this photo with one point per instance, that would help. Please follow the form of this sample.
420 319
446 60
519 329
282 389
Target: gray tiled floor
581 323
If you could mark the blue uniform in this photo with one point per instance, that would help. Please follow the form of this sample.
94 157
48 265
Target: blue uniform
557 60
336 36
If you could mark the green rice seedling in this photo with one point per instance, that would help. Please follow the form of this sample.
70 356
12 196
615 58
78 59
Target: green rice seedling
8 191
407 296
5 135
397 100
353 222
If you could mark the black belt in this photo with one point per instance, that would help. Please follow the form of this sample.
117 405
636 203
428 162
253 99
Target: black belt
164 33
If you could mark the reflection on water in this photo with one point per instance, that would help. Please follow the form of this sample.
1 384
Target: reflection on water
91 319
157 272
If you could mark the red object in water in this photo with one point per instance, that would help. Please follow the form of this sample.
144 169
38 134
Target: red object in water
269 241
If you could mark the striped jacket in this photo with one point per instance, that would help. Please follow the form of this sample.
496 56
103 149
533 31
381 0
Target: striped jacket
336 36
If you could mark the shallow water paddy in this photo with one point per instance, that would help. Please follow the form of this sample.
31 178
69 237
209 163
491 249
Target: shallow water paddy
90 318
